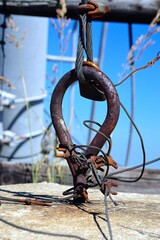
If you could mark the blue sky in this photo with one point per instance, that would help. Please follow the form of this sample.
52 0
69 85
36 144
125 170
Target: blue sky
147 86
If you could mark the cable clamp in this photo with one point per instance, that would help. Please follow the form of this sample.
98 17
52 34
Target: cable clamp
91 64
93 9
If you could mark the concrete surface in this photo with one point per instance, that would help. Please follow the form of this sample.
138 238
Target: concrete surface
137 216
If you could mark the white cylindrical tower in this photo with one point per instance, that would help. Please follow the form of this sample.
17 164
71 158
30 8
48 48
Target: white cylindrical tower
22 107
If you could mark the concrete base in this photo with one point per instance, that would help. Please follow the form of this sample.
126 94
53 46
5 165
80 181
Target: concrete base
137 216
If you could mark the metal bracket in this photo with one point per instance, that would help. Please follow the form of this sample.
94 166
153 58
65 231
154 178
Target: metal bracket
11 138
7 99
10 100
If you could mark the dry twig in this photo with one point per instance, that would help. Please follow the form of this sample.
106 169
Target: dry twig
5 80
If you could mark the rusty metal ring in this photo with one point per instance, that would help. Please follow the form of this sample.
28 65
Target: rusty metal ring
112 100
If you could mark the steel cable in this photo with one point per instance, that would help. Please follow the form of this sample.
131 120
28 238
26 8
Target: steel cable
93 129
107 215
84 44
80 49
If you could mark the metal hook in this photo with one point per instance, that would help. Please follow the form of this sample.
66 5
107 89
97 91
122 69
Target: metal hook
113 106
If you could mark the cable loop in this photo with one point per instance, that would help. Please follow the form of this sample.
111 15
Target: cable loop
84 45
87 11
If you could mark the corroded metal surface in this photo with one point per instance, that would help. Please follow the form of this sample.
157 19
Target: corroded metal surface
112 100
79 168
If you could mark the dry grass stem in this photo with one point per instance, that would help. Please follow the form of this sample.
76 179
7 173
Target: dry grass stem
60 25
61 12
141 45
5 80
149 64
13 37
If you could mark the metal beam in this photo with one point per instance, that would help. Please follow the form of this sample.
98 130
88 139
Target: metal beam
133 11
